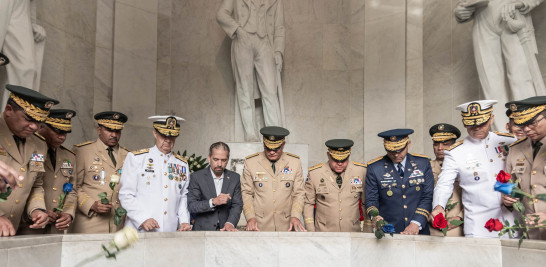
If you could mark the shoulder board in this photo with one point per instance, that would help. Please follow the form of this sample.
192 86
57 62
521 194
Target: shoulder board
253 155
455 145
141 151
84 144
517 142
292 155
316 167
504 134
374 160
419 155
39 136
360 164
68 150
124 148
180 158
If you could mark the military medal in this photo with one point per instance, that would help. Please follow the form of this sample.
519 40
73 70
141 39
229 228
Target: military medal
171 176
260 184
476 177
179 186
95 177
389 193
417 188
102 177
287 184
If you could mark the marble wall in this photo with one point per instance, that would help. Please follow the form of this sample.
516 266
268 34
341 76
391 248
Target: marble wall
352 68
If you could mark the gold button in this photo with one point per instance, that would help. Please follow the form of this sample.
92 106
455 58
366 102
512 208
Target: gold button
405 207
166 186
534 172
22 169
274 201
20 185
403 196
340 201
54 188
117 191
165 212
340 218
54 201
535 200
491 160
165 174
495 175
274 180
117 202
165 199
11 216
486 146
17 201
339 209
55 176
274 190
534 186
406 219
403 186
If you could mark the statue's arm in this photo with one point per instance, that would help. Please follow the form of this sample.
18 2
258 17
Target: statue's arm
225 19
529 5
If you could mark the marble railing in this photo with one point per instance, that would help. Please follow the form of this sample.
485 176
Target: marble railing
271 249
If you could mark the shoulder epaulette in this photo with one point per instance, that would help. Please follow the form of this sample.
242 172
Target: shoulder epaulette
455 145
180 158
419 155
63 147
360 164
504 134
517 142
140 151
253 155
292 155
39 136
374 160
124 148
84 144
316 167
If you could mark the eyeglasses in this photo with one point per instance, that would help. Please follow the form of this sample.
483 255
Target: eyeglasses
533 124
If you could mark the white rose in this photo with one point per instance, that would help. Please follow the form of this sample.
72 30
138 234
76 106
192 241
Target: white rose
198 165
191 159
114 178
125 237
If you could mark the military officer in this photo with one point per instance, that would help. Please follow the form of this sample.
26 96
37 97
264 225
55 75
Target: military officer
24 152
272 186
527 158
59 170
475 162
512 127
399 185
96 163
336 188
443 136
154 183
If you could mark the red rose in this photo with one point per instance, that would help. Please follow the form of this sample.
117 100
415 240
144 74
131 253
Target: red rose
493 225
503 177
439 222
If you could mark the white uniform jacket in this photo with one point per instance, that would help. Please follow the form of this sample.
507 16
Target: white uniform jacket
155 185
476 164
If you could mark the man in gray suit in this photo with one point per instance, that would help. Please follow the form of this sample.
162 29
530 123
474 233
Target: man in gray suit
214 195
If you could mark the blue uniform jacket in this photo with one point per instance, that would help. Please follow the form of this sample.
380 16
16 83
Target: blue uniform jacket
399 201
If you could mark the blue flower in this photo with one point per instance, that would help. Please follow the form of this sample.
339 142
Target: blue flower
505 188
388 228
67 188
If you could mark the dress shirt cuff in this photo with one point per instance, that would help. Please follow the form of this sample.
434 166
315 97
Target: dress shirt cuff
418 223
211 205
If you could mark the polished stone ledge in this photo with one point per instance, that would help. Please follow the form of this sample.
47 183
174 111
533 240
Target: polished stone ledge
271 249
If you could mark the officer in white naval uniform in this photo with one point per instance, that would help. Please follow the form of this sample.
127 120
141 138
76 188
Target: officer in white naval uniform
154 183
475 162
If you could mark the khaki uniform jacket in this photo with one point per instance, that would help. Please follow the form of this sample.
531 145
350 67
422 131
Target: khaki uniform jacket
91 160
532 175
456 197
336 208
30 164
272 198
54 179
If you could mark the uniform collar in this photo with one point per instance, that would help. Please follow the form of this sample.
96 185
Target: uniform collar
104 146
156 150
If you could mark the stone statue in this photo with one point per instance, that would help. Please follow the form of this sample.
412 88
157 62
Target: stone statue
257 30
18 34
504 48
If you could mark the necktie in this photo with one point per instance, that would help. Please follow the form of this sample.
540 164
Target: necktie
110 149
401 170
339 181
19 142
536 148
273 166
52 157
